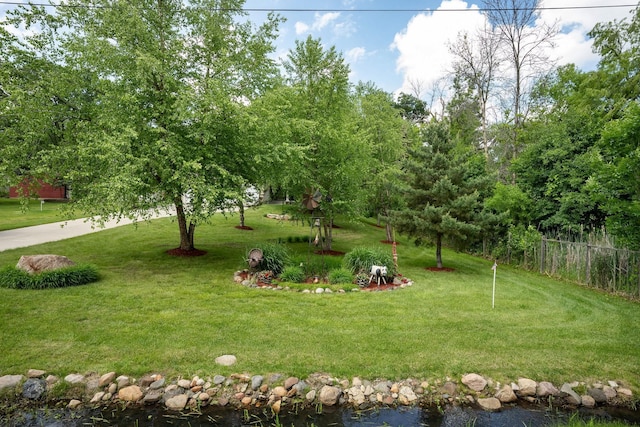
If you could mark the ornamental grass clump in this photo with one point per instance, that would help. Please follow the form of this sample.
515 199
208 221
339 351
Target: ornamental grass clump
340 276
275 256
81 274
361 258
293 274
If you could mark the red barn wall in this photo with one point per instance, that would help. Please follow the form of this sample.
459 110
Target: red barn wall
45 191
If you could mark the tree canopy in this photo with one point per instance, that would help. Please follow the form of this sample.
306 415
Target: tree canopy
443 191
143 103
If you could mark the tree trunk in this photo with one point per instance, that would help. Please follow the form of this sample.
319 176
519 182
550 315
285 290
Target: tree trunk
439 251
328 234
241 211
389 230
186 231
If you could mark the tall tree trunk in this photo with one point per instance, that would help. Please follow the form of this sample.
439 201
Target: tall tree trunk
186 230
241 212
389 230
439 250
328 234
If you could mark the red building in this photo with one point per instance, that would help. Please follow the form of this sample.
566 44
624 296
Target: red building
41 190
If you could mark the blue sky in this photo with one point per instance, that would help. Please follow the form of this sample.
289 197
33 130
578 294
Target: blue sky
401 50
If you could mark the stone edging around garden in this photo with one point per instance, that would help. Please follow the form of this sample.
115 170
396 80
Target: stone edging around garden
275 391
248 279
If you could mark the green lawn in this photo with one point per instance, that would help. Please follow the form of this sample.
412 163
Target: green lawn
13 214
155 313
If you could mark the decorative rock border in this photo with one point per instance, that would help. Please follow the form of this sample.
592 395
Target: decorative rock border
244 391
246 278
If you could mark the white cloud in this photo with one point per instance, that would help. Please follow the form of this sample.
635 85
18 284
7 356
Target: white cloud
423 53
321 20
355 54
422 45
301 28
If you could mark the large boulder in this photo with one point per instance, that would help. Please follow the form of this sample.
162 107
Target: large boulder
329 395
10 381
38 263
474 381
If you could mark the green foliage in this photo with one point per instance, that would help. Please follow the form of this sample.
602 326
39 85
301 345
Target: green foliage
149 119
318 116
340 276
275 256
617 184
361 258
443 191
12 277
292 273
512 200
314 267
523 242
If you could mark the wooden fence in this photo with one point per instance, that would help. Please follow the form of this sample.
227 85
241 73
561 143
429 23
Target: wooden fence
614 270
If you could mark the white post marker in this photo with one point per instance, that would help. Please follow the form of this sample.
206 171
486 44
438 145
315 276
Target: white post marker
493 296
41 203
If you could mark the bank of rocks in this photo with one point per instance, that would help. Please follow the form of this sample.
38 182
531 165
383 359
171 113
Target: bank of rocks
275 391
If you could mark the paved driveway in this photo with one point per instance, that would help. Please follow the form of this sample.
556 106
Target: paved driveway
29 236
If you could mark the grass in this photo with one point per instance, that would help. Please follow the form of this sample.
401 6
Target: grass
151 312
13 214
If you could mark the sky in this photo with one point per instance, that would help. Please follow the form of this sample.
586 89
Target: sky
396 50
406 43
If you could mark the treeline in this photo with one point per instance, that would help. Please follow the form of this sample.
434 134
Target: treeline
150 103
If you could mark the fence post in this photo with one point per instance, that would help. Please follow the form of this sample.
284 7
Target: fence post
542 253
588 272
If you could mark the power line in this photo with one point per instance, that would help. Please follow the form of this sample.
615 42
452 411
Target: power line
509 9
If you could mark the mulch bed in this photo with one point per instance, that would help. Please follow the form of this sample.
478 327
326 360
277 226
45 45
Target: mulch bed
444 269
328 252
186 253
243 227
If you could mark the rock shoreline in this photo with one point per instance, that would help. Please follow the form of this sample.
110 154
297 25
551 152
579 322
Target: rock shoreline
278 392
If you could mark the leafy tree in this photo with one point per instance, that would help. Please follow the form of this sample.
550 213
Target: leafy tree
388 136
617 154
618 44
556 163
618 178
323 123
413 108
154 94
443 191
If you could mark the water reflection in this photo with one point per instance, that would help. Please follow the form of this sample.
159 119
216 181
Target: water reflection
331 417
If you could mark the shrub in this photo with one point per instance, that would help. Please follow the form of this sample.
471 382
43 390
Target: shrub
340 276
360 259
293 274
81 274
314 267
274 257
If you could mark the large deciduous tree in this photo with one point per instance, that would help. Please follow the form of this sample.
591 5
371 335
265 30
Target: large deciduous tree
154 94
522 42
322 122
477 62
556 164
389 136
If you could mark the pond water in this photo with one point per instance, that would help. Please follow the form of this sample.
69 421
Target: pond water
529 416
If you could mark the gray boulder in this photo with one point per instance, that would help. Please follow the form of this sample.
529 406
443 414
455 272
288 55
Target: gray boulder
34 388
